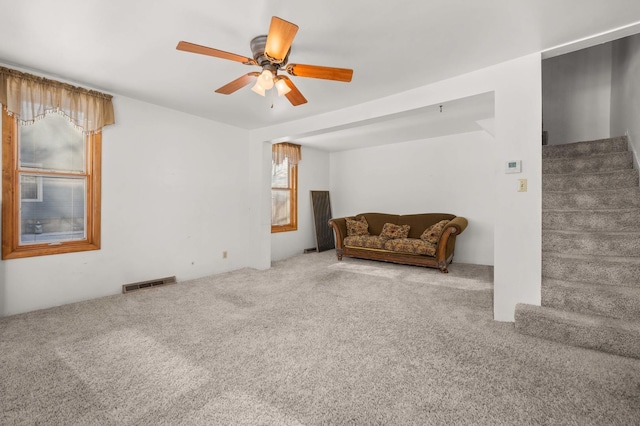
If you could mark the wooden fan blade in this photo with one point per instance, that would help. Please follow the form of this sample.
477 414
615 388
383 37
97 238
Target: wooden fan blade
315 71
294 96
210 51
238 83
279 39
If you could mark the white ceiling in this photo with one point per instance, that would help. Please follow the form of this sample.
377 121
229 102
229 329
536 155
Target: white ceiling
127 48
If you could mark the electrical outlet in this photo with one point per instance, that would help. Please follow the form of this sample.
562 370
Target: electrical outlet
224 254
522 185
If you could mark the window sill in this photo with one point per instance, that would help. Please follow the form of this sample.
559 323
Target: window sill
33 250
283 228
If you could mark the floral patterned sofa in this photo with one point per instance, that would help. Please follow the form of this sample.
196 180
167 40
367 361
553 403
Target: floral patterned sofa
426 239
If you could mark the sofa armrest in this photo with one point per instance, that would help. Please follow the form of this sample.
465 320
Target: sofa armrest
459 223
339 226
447 242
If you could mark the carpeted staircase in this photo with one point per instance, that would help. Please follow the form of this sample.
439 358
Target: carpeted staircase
590 249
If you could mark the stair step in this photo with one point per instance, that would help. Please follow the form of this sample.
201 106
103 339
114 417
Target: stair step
608 243
621 271
592 220
586 148
627 178
591 200
594 299
591 164
615 336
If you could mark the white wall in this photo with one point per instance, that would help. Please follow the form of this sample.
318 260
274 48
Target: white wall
313 175
452 174
576 95
625 91
518 106
259 200
174 196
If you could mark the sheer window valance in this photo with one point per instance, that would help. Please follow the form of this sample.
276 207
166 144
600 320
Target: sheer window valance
290 151
28 97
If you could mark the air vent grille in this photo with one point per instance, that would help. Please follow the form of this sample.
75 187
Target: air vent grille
128 288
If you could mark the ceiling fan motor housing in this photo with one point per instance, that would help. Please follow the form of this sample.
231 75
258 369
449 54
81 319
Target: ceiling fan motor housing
258 47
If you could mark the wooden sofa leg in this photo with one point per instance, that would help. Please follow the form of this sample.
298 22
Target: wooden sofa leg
339 255
442 265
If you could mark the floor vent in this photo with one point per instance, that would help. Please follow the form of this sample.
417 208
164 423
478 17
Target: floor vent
128 288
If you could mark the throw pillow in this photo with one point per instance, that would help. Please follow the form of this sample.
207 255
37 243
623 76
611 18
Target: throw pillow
391 231
432 234
357 227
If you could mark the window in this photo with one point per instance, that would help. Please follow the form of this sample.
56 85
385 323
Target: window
284 187
284 206
51 187
50 165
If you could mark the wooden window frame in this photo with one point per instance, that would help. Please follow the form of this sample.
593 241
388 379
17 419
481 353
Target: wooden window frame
293 204
11 248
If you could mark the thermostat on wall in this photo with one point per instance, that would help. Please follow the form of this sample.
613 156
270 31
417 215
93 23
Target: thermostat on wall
514 166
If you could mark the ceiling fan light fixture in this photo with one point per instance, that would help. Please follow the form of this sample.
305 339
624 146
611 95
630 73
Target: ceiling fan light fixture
258 89
282 87
265 80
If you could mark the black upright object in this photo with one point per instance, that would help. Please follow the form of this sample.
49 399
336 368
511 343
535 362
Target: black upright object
321 206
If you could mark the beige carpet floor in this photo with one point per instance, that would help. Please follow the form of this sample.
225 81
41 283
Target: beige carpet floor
310 341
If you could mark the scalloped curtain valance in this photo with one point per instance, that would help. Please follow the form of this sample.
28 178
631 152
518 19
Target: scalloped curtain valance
290 151
29 97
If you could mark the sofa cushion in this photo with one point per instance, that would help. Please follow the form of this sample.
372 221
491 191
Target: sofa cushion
411 246
432 234
365 241
390 231
357 227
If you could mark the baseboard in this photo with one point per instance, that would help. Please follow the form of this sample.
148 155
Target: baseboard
634 151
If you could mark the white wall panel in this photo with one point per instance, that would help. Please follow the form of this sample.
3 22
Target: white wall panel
174 197
625 91
576 95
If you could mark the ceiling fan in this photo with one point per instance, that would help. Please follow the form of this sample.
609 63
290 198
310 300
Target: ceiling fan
271 53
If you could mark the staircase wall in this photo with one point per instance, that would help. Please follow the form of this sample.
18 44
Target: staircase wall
625 91
593 93
576 95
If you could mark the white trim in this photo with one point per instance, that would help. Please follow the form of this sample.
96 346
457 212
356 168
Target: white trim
632 148
600 38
